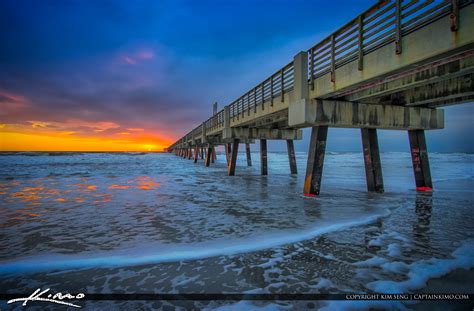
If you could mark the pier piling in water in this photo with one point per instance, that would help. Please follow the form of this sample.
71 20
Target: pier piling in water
196 155
263 157
233 157
419 157
228 151
291 156
209 155
249 156
314 168
373 166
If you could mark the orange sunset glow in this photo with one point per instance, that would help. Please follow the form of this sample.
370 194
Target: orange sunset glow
102 136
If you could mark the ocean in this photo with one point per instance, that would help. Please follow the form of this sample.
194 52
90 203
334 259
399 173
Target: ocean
100 223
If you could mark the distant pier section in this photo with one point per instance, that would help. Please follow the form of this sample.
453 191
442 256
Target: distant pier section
392 67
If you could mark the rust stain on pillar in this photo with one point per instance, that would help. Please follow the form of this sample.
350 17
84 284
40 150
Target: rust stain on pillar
419 156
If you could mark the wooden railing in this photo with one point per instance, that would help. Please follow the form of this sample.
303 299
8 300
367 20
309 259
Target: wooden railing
385 22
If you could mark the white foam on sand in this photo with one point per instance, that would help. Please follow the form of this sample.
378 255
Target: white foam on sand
418 273
179 253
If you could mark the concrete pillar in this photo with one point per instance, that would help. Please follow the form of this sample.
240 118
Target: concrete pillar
419 157
233 157
263 157
314 168
226 117
203 130
214 157
190 153
373 166
300 88
249 156
300 110
291 156
208 155
196 154
202 152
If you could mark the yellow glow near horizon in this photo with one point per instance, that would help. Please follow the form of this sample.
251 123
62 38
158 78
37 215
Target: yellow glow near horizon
11 141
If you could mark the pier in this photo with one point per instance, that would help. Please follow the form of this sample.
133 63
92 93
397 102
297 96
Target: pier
392 67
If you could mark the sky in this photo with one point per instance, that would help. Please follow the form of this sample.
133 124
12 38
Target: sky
123 75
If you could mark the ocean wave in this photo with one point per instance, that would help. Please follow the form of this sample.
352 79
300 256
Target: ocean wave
177 253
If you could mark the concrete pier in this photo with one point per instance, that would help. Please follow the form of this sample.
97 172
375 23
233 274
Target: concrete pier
314 168
373 166
354 78
419 156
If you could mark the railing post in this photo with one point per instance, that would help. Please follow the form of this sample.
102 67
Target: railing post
263 95
361 43
311 67
255 100
454 15
333 59
282 83
271 91
398 25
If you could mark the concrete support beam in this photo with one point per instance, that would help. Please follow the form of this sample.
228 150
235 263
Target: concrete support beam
249 156
209 155
419 156
233 157
243 133
314 168
263 157
291 156
373 166
356 115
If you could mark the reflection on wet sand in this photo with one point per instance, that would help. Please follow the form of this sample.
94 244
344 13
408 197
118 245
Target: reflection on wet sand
421 228
30 201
